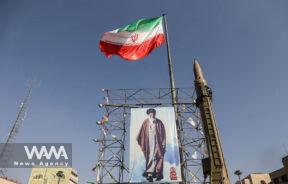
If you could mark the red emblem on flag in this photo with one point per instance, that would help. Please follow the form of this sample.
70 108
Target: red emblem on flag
134 37
173 174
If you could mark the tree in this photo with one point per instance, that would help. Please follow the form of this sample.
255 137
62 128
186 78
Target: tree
238 173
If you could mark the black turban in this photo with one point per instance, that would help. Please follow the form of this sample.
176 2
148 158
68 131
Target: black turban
151 111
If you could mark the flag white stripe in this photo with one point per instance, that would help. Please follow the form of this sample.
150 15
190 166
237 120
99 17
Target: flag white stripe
131 38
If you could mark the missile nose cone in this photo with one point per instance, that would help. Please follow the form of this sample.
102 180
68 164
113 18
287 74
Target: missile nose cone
198 72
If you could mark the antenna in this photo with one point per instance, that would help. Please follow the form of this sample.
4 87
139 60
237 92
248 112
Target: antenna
20 117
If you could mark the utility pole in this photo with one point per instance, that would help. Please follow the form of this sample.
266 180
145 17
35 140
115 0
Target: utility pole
213 166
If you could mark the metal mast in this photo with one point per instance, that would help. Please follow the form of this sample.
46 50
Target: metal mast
174 97
20 117
213 166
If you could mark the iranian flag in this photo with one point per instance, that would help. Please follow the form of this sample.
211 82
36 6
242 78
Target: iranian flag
135 40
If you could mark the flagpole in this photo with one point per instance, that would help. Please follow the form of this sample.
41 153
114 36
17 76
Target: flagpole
173 94
171 74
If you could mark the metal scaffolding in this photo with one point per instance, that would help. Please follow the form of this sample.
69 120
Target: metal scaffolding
112 163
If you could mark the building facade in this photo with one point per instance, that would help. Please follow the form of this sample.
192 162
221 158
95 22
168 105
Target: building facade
53 175
280 176
6 180
257 178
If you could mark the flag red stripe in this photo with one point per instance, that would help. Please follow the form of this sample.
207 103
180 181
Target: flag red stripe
132 52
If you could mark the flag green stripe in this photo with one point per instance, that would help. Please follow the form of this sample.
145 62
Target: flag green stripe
142 25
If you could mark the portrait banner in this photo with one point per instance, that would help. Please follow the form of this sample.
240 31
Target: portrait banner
154 149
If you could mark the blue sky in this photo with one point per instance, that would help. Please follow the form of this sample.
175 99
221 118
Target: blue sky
241 45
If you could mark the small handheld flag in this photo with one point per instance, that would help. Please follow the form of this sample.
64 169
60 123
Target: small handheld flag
104 120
